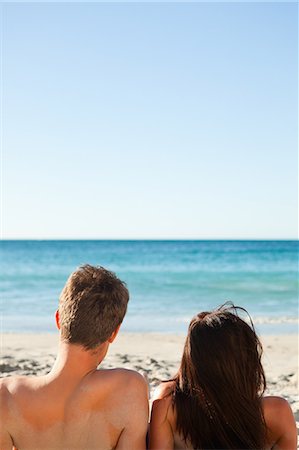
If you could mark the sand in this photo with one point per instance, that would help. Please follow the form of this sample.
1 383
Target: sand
156 355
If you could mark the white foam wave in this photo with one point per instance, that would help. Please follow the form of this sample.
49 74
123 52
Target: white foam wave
258 320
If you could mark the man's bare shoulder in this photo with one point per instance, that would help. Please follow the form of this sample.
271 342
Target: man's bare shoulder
14 384
8 389
15 388
5 407
4 396
9 386
121 391
121 379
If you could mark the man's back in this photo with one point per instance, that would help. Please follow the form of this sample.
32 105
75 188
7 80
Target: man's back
104 409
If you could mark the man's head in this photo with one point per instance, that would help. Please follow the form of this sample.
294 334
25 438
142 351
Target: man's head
92 305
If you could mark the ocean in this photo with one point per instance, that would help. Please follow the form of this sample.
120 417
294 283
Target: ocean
169 281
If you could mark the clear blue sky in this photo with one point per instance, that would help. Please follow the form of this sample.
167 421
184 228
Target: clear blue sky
149 120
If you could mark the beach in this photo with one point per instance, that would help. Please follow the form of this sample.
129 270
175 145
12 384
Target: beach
155 355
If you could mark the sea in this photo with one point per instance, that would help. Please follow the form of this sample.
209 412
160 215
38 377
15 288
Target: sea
169 281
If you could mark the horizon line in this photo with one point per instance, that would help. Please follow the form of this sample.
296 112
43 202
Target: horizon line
152 239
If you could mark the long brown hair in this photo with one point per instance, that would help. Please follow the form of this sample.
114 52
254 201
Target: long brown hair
220 382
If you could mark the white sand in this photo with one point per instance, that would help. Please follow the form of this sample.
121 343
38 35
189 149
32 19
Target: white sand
157 355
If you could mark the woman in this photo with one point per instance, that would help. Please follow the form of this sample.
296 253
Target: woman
216 399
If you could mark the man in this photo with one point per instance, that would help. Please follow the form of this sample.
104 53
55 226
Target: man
76 406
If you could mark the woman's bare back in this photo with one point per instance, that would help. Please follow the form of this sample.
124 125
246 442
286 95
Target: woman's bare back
280 422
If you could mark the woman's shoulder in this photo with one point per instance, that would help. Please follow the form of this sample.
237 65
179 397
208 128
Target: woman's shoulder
273 405
162 406
164 390
162 419
280 421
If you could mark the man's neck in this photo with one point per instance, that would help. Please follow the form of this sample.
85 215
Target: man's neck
74 361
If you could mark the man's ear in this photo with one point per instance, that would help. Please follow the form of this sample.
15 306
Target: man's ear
114 334
57 319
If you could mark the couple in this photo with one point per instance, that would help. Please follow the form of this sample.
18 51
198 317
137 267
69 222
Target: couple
214 402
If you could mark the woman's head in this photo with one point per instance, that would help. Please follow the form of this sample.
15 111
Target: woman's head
221 379
222 350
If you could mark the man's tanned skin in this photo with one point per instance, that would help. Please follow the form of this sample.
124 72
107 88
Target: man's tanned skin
75 406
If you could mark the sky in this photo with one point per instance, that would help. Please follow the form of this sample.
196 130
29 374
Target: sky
149 121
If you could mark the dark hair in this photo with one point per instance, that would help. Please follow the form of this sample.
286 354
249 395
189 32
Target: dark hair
91 306
218 387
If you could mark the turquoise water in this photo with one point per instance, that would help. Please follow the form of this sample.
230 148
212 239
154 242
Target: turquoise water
169 281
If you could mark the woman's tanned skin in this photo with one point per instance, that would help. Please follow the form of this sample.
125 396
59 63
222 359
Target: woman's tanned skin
216 399
75 406
282 431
